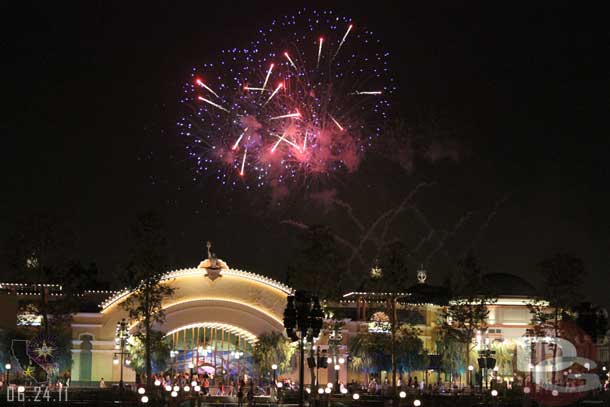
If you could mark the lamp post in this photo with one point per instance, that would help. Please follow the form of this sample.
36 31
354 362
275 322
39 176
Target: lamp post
191 366
274 368
302 319
122 333
8 368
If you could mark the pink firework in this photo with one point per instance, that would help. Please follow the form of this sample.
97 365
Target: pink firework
306 99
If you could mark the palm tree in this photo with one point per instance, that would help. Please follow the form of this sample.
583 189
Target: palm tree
272 348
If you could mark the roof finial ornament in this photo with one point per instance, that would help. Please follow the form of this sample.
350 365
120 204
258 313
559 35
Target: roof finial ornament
213 265
422 275
209 246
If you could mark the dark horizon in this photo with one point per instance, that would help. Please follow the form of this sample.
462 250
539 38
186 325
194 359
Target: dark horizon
91 103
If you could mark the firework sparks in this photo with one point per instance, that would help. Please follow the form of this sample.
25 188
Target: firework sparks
239 139
267 78
301 108
290 60
216 105
203 85
284 116
283 138
343 40
243 162
274 93
251 88
337 123
367 92
321 41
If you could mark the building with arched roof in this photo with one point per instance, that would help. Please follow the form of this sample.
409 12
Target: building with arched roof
215 311
217 314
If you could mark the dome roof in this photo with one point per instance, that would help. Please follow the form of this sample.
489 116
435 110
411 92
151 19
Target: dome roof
505 284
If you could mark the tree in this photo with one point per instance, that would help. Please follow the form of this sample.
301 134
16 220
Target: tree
467 312
159 353
372 350
37 253
450 351
592 319
316 267
40 251
272 348
562 277
145 268
410 352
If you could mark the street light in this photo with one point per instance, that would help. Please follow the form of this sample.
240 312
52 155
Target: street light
122 333
402 394
355 396
494 393
144 399
191 366
8 373
274 368
417 403
303 318
141 390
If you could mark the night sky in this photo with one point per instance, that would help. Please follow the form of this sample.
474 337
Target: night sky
90 96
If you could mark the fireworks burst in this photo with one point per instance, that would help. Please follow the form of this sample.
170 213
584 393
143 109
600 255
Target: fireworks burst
305 99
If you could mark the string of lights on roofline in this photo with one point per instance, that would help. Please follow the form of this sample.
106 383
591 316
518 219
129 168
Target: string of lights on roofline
119 295
25 289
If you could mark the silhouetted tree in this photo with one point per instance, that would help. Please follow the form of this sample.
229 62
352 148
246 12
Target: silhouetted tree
148 261
316 266
468 310
562 277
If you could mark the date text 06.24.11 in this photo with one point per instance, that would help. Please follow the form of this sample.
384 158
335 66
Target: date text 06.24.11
35 394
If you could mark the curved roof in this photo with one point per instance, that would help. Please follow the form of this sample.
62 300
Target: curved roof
120 295
505 284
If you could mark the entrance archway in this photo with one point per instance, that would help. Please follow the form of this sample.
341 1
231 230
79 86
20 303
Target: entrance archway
213 348
237 304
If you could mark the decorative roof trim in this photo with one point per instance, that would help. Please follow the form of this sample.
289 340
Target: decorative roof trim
249 336
118 296
374 294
